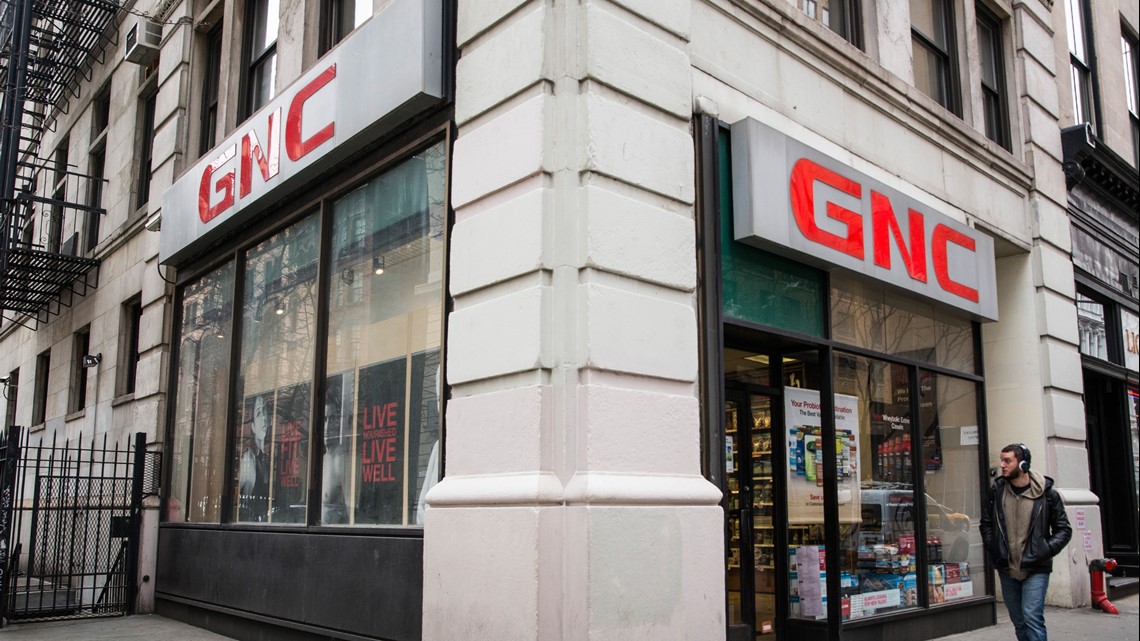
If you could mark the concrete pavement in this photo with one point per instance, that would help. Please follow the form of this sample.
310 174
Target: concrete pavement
1081 624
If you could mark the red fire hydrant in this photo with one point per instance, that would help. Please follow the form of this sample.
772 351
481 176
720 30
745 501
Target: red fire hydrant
1097 568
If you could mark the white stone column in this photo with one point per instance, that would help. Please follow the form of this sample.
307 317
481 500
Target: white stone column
573 506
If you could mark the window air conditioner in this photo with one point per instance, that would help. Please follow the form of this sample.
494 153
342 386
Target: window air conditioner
143 41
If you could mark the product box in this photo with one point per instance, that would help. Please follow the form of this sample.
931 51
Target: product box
937 574
910 589
906 544
952 575
937 594
963 572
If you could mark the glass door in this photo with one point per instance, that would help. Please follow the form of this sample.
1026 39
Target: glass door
750 511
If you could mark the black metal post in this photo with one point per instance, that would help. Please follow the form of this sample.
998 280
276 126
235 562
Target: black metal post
139 463
7 499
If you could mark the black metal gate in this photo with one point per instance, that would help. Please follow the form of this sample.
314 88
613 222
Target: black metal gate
69 526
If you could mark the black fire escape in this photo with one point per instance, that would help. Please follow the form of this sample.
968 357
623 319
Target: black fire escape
47 48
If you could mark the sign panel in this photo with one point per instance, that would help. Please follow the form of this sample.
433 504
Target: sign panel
1130 338
803 417
388 70
793 200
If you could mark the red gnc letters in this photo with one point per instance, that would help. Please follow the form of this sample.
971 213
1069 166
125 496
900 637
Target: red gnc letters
884 228
267 158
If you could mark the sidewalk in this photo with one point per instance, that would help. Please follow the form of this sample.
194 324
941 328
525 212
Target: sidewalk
1081 624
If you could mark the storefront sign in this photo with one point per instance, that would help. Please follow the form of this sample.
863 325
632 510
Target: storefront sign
390 69
1130 338
794 200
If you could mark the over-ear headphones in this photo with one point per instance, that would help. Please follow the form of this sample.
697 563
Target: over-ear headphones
1026 457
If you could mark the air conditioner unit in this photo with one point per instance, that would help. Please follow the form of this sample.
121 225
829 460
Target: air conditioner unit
143 41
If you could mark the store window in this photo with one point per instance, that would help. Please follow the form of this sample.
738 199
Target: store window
368 435
275 368
199 444
932 38
990 61
1091 327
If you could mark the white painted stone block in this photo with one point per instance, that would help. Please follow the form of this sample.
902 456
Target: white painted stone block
1071 469
476 16
500 243
1053 268
638 432
1041 86
1064 415
1036 38
502 432
1057 317
671 15
1061 366
638 334
498 153
504 63
631 237
1052 221
623 55
501 336
504 555
626 143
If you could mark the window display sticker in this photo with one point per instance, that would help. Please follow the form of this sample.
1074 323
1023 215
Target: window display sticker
803 421
808 580
880 599
958 590
969 435
1087 535
1079 519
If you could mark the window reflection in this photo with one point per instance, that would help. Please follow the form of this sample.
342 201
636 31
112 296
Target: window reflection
279 318
382 389
200 405
1091 327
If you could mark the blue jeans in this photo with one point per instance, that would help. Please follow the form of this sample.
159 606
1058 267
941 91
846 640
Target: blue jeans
1025 601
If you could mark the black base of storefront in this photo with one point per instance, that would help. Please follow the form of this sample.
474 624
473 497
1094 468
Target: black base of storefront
930 624
292 585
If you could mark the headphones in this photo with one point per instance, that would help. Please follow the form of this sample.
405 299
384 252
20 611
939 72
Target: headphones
1026 457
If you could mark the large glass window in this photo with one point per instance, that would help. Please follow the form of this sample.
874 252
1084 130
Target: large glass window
878 549
875 318
198 449
382 385
275 370
1091 327
353 408
841 16
950 457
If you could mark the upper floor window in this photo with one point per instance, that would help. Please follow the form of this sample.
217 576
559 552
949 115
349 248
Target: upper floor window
1131 50
40 393
841 16
264 16
211 83
146 148
339 18
1080 62
80 346
990 56
932 37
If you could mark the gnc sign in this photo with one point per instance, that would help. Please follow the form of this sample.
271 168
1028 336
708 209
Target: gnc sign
791 199
388 70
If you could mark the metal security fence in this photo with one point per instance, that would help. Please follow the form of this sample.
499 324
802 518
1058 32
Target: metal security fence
69 532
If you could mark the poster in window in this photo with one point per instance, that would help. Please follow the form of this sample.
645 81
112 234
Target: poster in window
291 454
339 392
380 453
253 462
802 415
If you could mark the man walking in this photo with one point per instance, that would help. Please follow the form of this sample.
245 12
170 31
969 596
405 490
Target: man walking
1024 526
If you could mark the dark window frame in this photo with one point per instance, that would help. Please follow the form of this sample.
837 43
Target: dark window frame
147 104
11 390
40 395
1130 48
1083 73
211 90
130 326
80 347
256 62
995 107
948 57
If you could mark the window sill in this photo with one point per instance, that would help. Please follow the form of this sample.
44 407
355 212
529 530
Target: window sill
77 414
121 400
38 427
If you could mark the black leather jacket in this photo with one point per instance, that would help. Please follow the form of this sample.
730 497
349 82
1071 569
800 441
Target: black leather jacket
1049 530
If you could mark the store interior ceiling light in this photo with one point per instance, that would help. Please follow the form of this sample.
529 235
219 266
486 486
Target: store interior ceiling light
378 265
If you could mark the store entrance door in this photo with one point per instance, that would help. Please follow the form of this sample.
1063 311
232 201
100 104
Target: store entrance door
756 455
751 519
